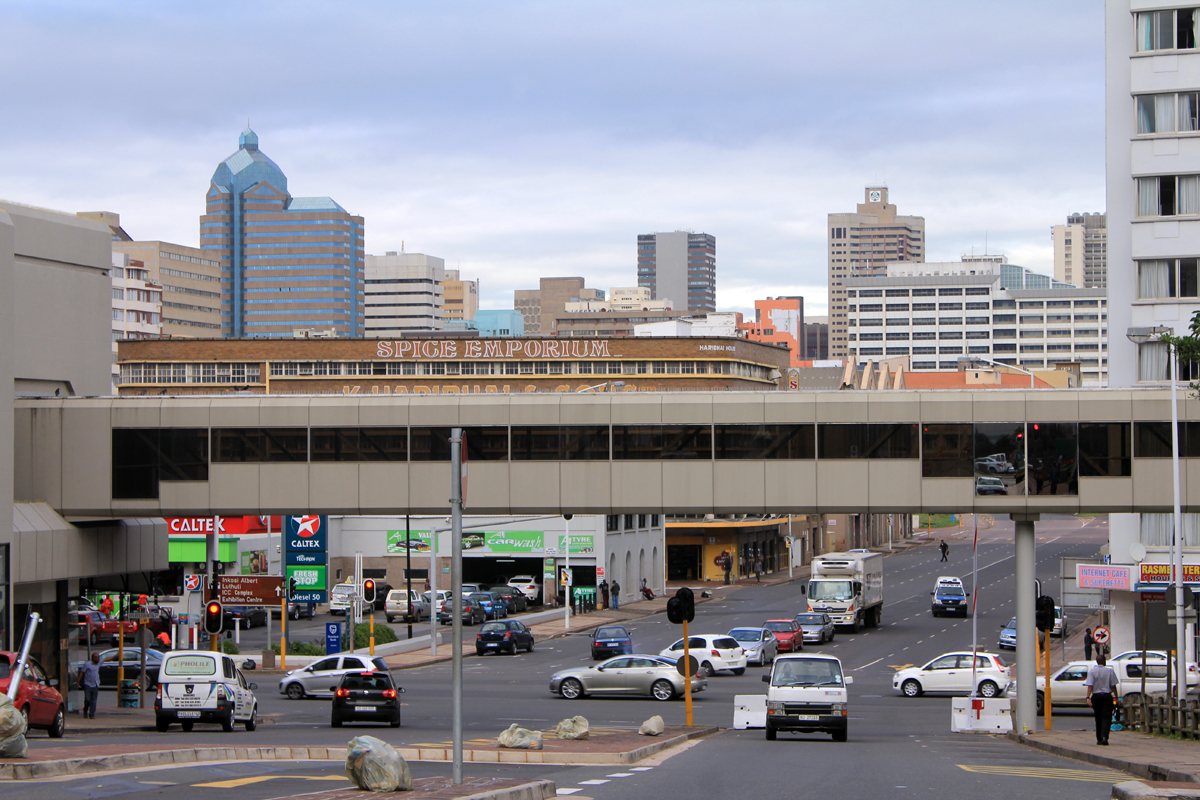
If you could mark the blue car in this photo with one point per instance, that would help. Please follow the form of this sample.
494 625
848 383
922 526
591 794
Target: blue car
493 608
1008 635
611 640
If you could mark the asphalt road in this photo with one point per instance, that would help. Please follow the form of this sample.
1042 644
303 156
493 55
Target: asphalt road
905 741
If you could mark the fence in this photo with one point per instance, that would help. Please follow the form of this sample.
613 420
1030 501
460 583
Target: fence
1162 714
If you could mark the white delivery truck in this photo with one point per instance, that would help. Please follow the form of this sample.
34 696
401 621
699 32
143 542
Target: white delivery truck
848 587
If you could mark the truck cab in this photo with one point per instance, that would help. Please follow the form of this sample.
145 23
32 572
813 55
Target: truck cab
807 694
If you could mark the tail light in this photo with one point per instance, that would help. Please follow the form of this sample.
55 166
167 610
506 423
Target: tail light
158 692
508 634
390 694
479 637
343 692
716 653
220 692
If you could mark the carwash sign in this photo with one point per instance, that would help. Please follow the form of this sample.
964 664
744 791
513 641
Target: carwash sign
1103 576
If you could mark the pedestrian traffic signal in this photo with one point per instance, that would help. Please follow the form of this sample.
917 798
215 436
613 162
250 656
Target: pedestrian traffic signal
368 591
682 607
213 617
1045 613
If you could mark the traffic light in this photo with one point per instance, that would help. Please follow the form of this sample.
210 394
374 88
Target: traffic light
368 591
291 587
681 607
1045 613
213 617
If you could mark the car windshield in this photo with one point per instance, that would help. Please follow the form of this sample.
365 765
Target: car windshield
612 633
951 591
1012 623
778 626
493 627
806 672
746 634
809 619
831 590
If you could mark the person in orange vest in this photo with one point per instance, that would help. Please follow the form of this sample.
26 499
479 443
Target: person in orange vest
106 606
165 638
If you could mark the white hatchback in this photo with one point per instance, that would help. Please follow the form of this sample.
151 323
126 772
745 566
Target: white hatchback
951 674
715 652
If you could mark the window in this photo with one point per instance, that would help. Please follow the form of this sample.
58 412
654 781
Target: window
641 442
1166 30
359 444
560 443
255 445
1153 439
1168 196
946 451
1053 458
1168 278
141 457
858 440
765 441
1105 449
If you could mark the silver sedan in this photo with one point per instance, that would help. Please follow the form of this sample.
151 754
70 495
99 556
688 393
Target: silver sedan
817 628
635 674
760 645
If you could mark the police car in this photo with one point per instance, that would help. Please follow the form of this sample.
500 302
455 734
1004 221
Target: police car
949 597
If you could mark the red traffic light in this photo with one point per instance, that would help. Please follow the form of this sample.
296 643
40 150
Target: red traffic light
214 608
369 590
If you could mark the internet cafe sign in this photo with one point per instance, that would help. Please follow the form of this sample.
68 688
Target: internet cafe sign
467 349
484 542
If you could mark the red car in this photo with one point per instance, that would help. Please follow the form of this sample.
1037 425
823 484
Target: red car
788 634
37 698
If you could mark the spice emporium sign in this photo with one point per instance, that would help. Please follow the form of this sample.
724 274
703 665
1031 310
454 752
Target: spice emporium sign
467 349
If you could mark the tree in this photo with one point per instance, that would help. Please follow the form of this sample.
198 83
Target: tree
1187 351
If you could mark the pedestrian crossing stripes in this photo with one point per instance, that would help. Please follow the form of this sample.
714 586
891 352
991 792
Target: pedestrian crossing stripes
1050 773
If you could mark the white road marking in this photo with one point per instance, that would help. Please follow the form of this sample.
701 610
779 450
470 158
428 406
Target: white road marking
641 769
597 782
864 666
621 775
569 791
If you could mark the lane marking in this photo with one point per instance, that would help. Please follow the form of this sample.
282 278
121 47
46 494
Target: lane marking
595 782
640 769
621 775
236 782
1051 773
568 791
864 666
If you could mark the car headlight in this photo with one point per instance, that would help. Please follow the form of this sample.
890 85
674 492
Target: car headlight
774 707
839 709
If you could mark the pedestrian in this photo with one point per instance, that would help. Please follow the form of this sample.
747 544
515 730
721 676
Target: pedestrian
945 548
89 681
758 569
1101 682
106 606
616 595
1088 641
164 639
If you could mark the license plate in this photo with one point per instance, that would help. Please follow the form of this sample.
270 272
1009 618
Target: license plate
492 644
189 715
807 717
364 708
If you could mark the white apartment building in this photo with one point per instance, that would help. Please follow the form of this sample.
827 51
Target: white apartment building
723 323
1081 250
936 313
404 292
136 305
622 298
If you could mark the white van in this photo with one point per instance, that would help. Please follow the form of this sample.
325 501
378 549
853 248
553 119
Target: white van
200 686
807 694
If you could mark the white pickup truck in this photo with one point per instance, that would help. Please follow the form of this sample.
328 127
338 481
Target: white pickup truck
807 694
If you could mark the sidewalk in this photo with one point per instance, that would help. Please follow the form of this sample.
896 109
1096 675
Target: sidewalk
1156 760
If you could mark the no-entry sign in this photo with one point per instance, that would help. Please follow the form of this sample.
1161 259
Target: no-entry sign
1101 636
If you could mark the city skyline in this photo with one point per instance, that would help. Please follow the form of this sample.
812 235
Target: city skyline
546 158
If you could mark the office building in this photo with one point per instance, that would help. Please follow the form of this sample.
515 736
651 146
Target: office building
778 321
136 305
632 299
404 292
286 262
938 312
1081 250
460 298
861 245
718 324
816 338
499 322
543 306
680 266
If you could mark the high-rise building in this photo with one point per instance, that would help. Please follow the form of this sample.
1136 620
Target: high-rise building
778 320
136 305
861 245
286 262
460 298
541 307
680 267
1152 180
1081 250
816 339
404 293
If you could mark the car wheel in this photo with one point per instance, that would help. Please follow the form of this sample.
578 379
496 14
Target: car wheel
840 736
989 689
245 624
479 651
59 725
334 722
295 691
770 734
708 668
513 650
529 647
252 723
187 726
227 723
911 688
389 619
662 690
94 638
571 689
161 725
1041 703
740 671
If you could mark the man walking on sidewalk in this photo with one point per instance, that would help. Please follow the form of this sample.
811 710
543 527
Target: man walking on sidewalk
1101 682
89 681
945 548
1088 641
616 595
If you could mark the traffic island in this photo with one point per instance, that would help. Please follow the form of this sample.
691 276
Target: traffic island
445 789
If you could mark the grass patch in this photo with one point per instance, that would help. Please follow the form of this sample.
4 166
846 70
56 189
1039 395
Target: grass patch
939 521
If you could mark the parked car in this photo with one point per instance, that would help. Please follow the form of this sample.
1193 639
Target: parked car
110 660
513 598
1067 687
37 697
996 463
244 617
436 606
787 634
951 674
493 607
985 486
714 652
199 686
365 697
472 612
503 636
90 627
611 640
340 598
527 586
818 628
1008 635
381 592
470 588
1193 676
399 604
296 610
317 677
654 676
760 645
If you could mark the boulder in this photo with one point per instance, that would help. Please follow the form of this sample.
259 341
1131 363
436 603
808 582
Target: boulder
518 738
374 765
12 721
653 726
572 728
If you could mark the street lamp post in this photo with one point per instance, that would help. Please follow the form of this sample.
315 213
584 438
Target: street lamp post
1140 336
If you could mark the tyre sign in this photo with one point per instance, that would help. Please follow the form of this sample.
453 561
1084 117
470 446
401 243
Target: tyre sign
1101 636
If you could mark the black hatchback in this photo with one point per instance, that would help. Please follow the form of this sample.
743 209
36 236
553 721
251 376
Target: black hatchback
366 697
503 636
611 640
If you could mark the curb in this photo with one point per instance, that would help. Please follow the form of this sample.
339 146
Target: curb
1137 790
1151 772
534 790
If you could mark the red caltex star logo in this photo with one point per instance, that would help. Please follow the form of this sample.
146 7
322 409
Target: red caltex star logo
307 526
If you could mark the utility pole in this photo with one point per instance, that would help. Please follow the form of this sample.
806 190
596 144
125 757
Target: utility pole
408 575
456 440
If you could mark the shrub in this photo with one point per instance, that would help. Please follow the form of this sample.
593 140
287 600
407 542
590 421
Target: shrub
229 647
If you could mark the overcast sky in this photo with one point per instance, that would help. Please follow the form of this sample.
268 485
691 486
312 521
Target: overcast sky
527 139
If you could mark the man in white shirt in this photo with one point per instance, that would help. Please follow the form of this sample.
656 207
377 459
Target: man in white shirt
1101 683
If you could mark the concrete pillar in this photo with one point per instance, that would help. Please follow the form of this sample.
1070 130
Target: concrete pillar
1026 546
